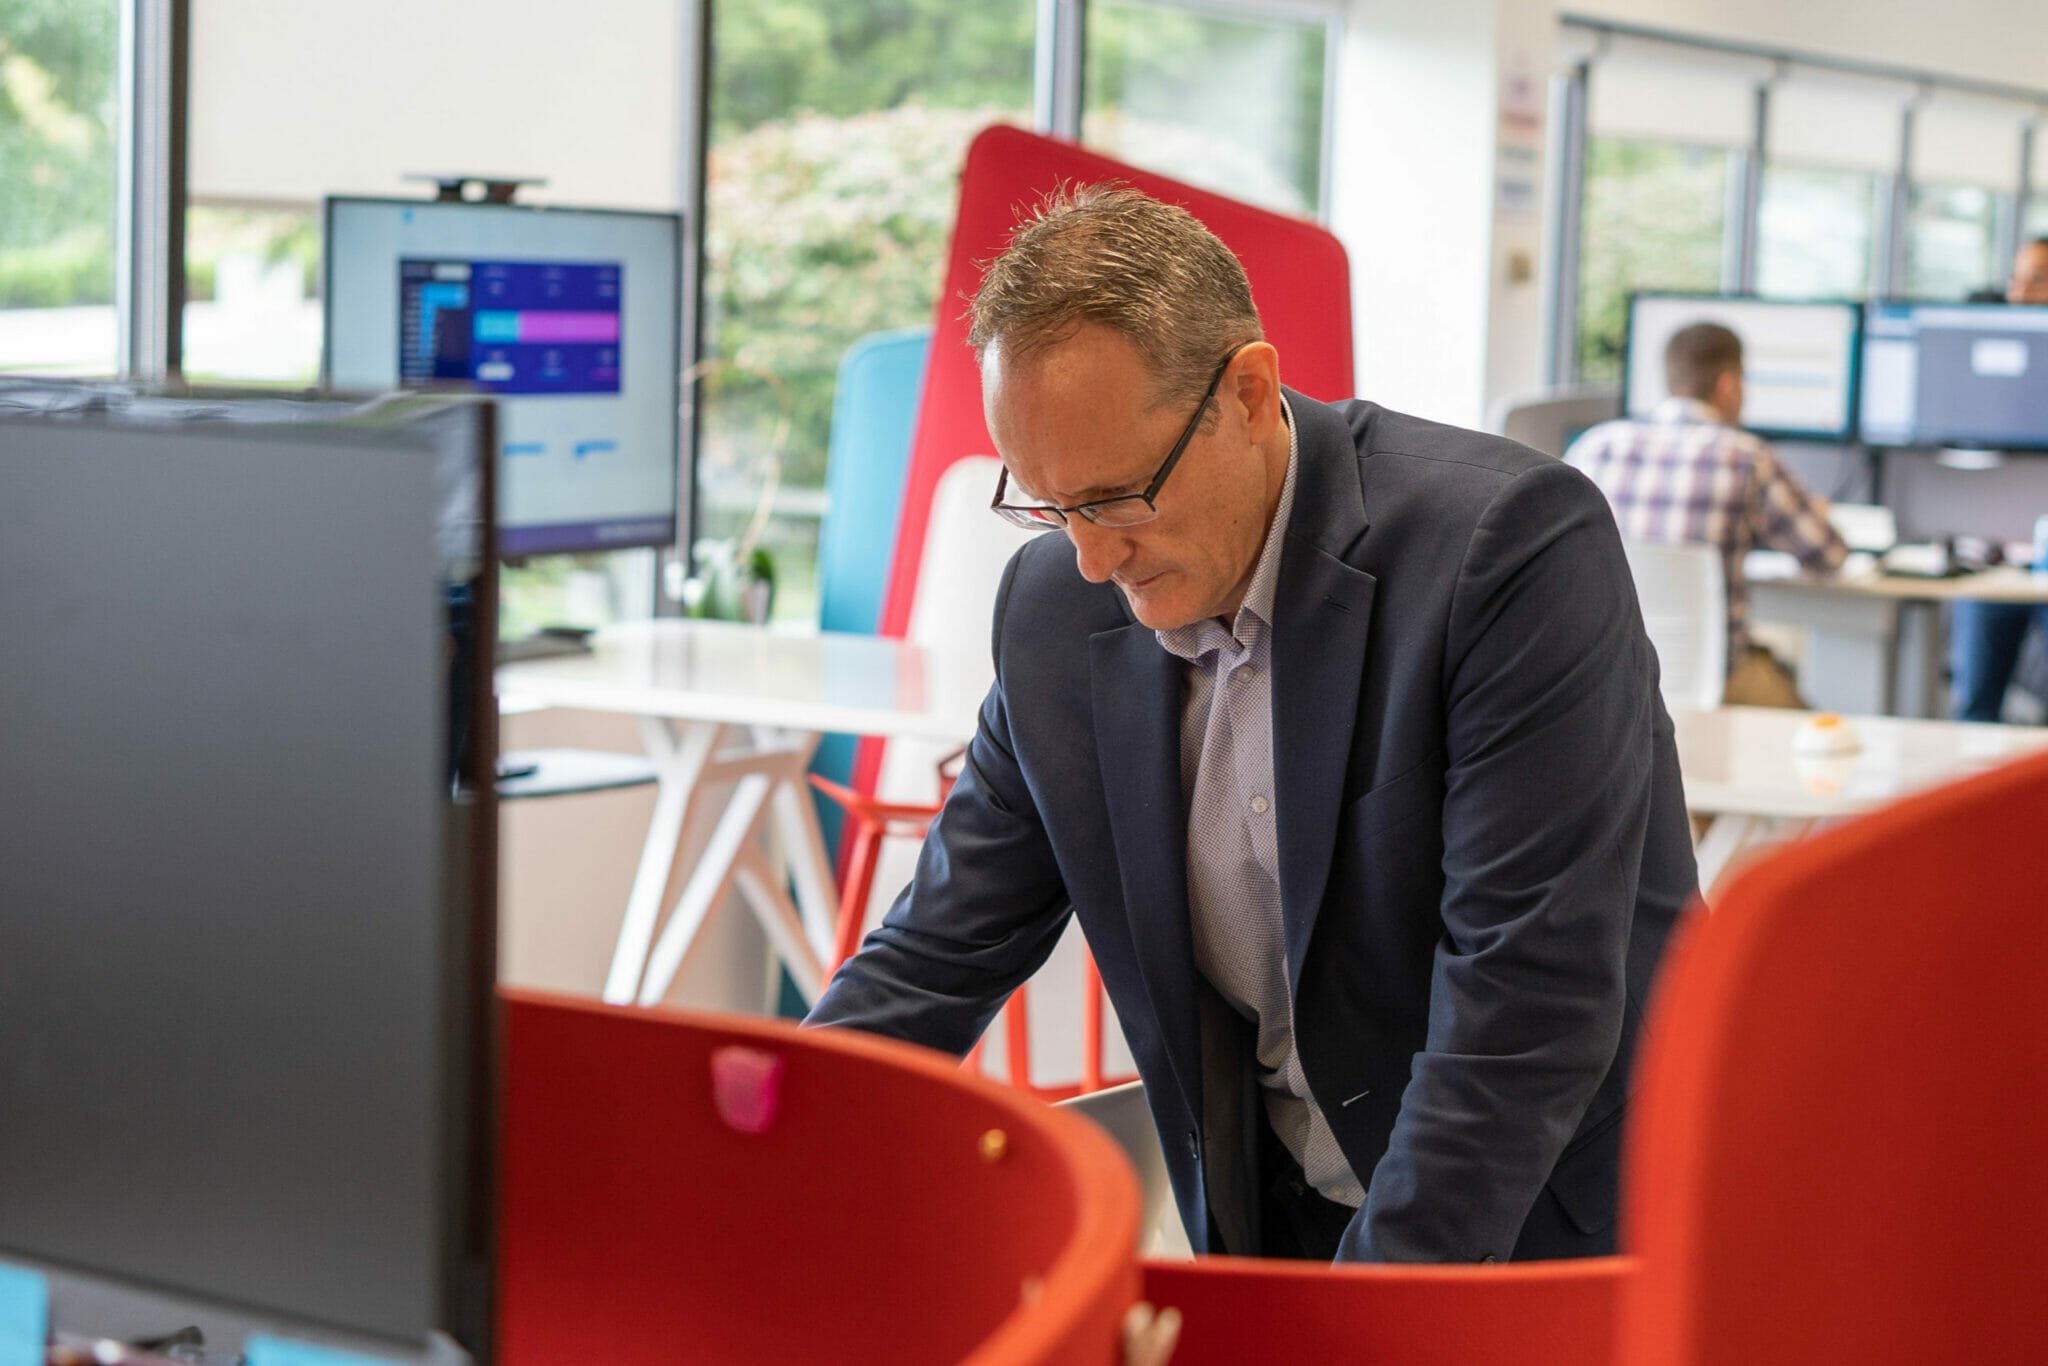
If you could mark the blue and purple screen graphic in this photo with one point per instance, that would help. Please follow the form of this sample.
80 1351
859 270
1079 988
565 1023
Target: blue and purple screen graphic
511 327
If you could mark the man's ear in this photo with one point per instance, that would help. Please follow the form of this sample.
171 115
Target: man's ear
1726 386
1254 383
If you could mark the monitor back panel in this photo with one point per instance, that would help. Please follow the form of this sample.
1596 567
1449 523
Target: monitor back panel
222 971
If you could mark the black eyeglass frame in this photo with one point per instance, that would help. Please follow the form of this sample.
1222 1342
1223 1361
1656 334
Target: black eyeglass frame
1032 515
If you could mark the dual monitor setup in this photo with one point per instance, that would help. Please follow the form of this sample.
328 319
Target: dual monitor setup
1883 374
246 990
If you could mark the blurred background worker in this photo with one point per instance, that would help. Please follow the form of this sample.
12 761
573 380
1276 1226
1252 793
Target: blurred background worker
1985 638
1690 473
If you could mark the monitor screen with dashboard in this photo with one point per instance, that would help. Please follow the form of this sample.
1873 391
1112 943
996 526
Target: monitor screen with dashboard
571 317
1798 359
1956 375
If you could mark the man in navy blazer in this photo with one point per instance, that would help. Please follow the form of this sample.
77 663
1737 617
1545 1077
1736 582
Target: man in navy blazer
1340 733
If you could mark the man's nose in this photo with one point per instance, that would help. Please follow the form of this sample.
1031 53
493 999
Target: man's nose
1098 550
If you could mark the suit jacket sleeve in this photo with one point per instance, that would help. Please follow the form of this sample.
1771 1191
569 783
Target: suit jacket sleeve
1550 699
983 912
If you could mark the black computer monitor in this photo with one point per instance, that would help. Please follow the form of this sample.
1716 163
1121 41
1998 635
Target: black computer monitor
1798 359
247 921
1947 374
571 317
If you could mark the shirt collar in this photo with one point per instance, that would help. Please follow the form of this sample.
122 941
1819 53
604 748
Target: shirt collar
1680 409
1190 642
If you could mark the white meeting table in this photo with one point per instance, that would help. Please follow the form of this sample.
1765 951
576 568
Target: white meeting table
1740 772
721 702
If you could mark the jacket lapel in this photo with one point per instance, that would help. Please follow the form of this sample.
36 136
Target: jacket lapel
1323 611
1135 687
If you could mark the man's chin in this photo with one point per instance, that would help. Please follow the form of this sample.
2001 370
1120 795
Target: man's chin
1156 611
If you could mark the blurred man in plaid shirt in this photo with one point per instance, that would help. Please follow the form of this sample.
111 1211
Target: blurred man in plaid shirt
1689 473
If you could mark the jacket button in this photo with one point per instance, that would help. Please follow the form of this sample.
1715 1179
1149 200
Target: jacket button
1194 1145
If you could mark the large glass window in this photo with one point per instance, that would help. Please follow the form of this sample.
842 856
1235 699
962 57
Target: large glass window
1233 103
252 308
837 132
1817 233
1654 218
1951 242
59 117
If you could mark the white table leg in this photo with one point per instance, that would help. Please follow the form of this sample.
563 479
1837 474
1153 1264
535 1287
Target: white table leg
707 885
779 919
1725 837
810 868
769 795
679 762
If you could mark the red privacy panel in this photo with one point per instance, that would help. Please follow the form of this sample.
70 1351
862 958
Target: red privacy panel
699 1188
1300 282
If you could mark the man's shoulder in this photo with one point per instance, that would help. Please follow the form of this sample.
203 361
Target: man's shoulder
1682 439
1376 431
1605 438
1404 463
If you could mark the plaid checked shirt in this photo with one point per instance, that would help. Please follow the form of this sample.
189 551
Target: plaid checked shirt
1685 475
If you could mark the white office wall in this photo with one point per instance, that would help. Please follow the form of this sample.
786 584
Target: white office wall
1437 195
293 101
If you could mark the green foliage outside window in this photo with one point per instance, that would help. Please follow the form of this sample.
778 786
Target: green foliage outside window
1231 102
59 110
776 58
837 133
1652 219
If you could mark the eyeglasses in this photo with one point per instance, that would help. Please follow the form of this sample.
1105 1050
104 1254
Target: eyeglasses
1126 509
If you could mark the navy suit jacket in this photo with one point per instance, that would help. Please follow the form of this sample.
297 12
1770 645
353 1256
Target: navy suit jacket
1481 831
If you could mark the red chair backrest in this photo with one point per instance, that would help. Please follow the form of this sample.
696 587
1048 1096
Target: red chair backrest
864 1224
1840 1150
1277 1313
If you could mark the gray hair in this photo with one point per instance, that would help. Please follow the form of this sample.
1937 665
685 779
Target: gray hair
1110 256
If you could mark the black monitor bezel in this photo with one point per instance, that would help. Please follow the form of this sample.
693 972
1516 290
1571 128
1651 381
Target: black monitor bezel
676 522
1848 435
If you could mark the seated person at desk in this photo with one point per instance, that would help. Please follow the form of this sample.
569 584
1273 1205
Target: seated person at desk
1984 638
1338 732
1690 473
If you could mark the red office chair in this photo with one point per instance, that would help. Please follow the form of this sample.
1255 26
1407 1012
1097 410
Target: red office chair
698 1188
868 822
1281 1313
1840 1151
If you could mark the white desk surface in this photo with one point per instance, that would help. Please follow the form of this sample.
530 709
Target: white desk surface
749 675
2001 583
1739 760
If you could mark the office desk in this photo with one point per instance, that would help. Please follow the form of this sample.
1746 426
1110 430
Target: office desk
720 702
1875 643
1739 770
